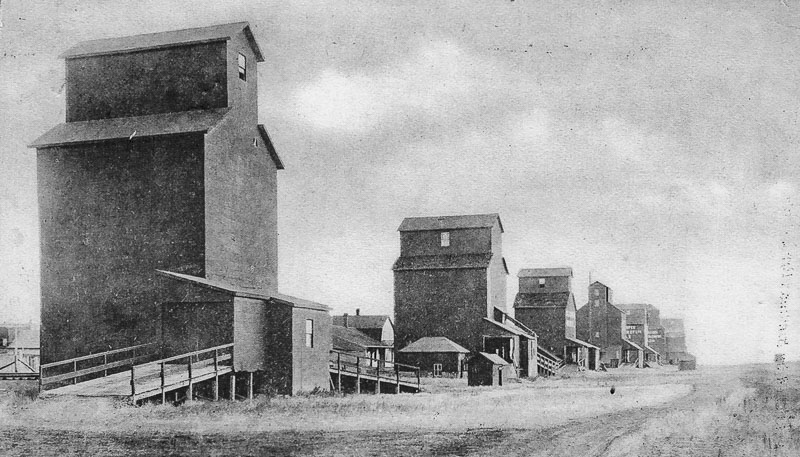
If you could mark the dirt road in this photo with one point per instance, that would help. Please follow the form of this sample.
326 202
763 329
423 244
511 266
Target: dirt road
687 426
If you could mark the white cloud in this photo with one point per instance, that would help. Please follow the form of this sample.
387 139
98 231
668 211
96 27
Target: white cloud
437 80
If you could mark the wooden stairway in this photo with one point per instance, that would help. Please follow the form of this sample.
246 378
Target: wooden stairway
547 363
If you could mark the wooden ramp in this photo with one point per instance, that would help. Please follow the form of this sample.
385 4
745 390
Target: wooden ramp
367 374
145 380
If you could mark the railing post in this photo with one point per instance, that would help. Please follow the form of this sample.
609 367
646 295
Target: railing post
41 377
358 374
339 369
163 390
105 364
216 376
133 383
417 379
377 380
190 389
397 378
75 369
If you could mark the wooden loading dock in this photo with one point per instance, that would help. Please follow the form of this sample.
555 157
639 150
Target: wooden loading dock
173 377
363 374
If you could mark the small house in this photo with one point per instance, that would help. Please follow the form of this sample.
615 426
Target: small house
487 370
378 326
435 355
356 342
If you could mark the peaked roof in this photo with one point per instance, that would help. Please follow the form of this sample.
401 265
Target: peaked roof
442 262
631 343
494 358
375 321
350 339
413 224
545 300
164 40
581 342
221 286
434 344
196 121
544 272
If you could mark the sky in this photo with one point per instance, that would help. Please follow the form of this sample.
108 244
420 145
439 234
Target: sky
649 145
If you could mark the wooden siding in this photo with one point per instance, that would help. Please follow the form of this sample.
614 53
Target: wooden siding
192 326
112 213
147 82
249 330
310 364
448 303
462 241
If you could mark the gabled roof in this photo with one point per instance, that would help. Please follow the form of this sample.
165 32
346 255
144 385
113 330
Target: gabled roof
362 321
442 262
413 224
197 121
494 358
546 300
544 272
164 40
350 339
631 343
221 286
580 342
434 344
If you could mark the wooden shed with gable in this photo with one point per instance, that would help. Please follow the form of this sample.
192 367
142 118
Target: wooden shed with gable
487 370
435 354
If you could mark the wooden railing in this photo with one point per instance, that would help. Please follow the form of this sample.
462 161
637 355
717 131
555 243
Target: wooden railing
67 370
548 362
345 363
215 358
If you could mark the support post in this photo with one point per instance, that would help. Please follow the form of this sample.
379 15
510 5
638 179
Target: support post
163 390
232 386
105 364
397 378
215 384
358 375
250 386
133 383
75 369
190 389
339 370
378 380
417 379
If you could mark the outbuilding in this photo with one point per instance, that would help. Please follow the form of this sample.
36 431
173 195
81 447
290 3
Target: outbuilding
487 370
435 354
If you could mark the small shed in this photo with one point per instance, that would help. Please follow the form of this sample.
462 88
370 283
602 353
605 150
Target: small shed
434 354
486 370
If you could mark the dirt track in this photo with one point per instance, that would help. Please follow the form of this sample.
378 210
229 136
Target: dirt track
651 431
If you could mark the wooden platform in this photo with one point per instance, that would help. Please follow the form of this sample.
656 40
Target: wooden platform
148 382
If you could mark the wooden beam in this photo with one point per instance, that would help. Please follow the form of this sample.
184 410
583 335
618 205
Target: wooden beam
358 375
250 387
232 387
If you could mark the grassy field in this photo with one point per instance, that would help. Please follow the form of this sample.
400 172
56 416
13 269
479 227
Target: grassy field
720 411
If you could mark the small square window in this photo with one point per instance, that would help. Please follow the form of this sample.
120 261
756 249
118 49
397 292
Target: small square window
437 369
242 67
444 239
309 333
597 292
541 283
597 334
597 303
